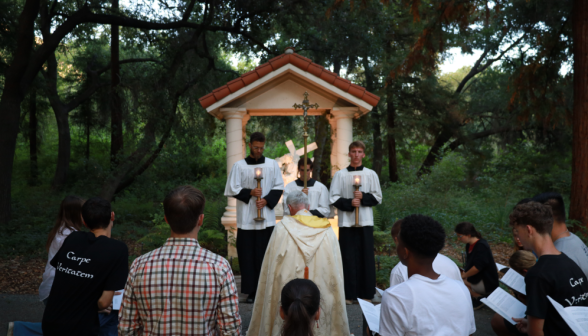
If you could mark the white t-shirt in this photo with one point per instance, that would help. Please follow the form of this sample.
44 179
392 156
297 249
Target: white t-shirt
49 274
441 265
423 306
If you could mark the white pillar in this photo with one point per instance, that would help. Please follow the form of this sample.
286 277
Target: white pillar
344 120
244 134
334 158
234 119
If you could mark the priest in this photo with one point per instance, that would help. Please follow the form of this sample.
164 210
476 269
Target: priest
318 194
302 246
357 239
254 235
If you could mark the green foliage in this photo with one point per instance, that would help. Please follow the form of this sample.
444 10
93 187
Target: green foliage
384 265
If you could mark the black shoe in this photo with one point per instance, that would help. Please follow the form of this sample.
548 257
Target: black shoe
250 298
477 304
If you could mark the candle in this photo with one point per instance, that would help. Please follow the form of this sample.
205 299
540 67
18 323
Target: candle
357 180
258 172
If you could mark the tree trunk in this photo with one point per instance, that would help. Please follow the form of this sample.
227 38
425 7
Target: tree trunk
12 97
377 137
432 157
579 194
33 138
88 121
390 139
325 173
321 132
116 125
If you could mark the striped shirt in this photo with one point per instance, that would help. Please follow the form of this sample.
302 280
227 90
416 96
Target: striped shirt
180 289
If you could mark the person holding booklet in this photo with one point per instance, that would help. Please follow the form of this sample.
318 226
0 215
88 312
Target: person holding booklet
427 303
554 275
441 264
480 274
521 261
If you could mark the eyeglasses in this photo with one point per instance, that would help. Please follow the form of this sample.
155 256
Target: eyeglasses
258 148
459 235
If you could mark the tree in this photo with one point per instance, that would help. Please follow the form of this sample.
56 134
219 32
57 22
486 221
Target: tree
579 196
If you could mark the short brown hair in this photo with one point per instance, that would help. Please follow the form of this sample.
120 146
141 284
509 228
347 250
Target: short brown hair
182 207
257 136
357 144
396 228
535 214
301 163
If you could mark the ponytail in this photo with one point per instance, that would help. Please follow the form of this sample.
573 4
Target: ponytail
467 228
300 303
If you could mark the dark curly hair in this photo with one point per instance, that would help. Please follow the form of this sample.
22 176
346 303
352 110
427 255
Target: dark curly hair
422 235
556 202
535 214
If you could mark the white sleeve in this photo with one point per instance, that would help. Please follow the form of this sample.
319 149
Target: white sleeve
278 180
323 203
396 276
395 312
376 188
470 311
233 186
335 192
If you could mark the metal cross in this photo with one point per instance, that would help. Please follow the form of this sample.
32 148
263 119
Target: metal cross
305 106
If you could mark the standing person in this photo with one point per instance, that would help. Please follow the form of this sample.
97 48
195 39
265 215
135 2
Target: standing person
90 266
357 242
554 275
427 303
300 307
302 245
318 194
181 288
253 236
441 264
480 274
564 240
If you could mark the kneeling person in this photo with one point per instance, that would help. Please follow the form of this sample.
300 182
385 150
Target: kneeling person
89 267
301 244
427 303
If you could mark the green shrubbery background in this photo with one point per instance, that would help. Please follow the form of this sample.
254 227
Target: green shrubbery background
463 187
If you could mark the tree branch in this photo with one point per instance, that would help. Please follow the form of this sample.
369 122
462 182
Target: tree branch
460 141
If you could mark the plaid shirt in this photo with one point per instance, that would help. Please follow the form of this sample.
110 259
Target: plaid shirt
180 289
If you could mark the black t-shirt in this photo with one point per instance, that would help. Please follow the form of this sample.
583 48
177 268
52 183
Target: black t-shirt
481 257
563 280
85 266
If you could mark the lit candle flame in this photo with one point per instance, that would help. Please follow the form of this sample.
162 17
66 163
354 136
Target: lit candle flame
357 179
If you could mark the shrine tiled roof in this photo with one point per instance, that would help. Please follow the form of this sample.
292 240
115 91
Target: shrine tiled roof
300 62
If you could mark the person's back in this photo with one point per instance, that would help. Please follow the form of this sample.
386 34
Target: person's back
429 307
575 249
88 265
427 303
181 288
442 265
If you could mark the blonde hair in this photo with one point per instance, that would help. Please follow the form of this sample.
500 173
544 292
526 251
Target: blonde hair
521 261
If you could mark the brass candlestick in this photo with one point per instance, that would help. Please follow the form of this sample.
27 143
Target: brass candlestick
258 177
356 185
305 106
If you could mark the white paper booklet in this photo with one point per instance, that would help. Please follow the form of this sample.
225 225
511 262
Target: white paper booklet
505 305
372 314
117 300
515 281
575 317
500 266
381 291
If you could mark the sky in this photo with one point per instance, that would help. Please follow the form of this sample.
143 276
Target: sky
456 60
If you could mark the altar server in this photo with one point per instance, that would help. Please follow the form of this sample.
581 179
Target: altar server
318 194
253 235
357 241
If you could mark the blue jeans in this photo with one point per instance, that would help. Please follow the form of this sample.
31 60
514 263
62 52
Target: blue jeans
108 324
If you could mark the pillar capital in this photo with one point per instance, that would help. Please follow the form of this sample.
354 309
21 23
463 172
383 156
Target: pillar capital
233 113
345 112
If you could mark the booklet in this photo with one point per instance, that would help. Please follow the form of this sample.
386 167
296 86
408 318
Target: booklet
371 313
575 317
117 299
505 305
500 267
515 281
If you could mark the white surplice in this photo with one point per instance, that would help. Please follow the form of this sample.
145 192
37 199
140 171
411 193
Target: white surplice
318 197
242 176
342 186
